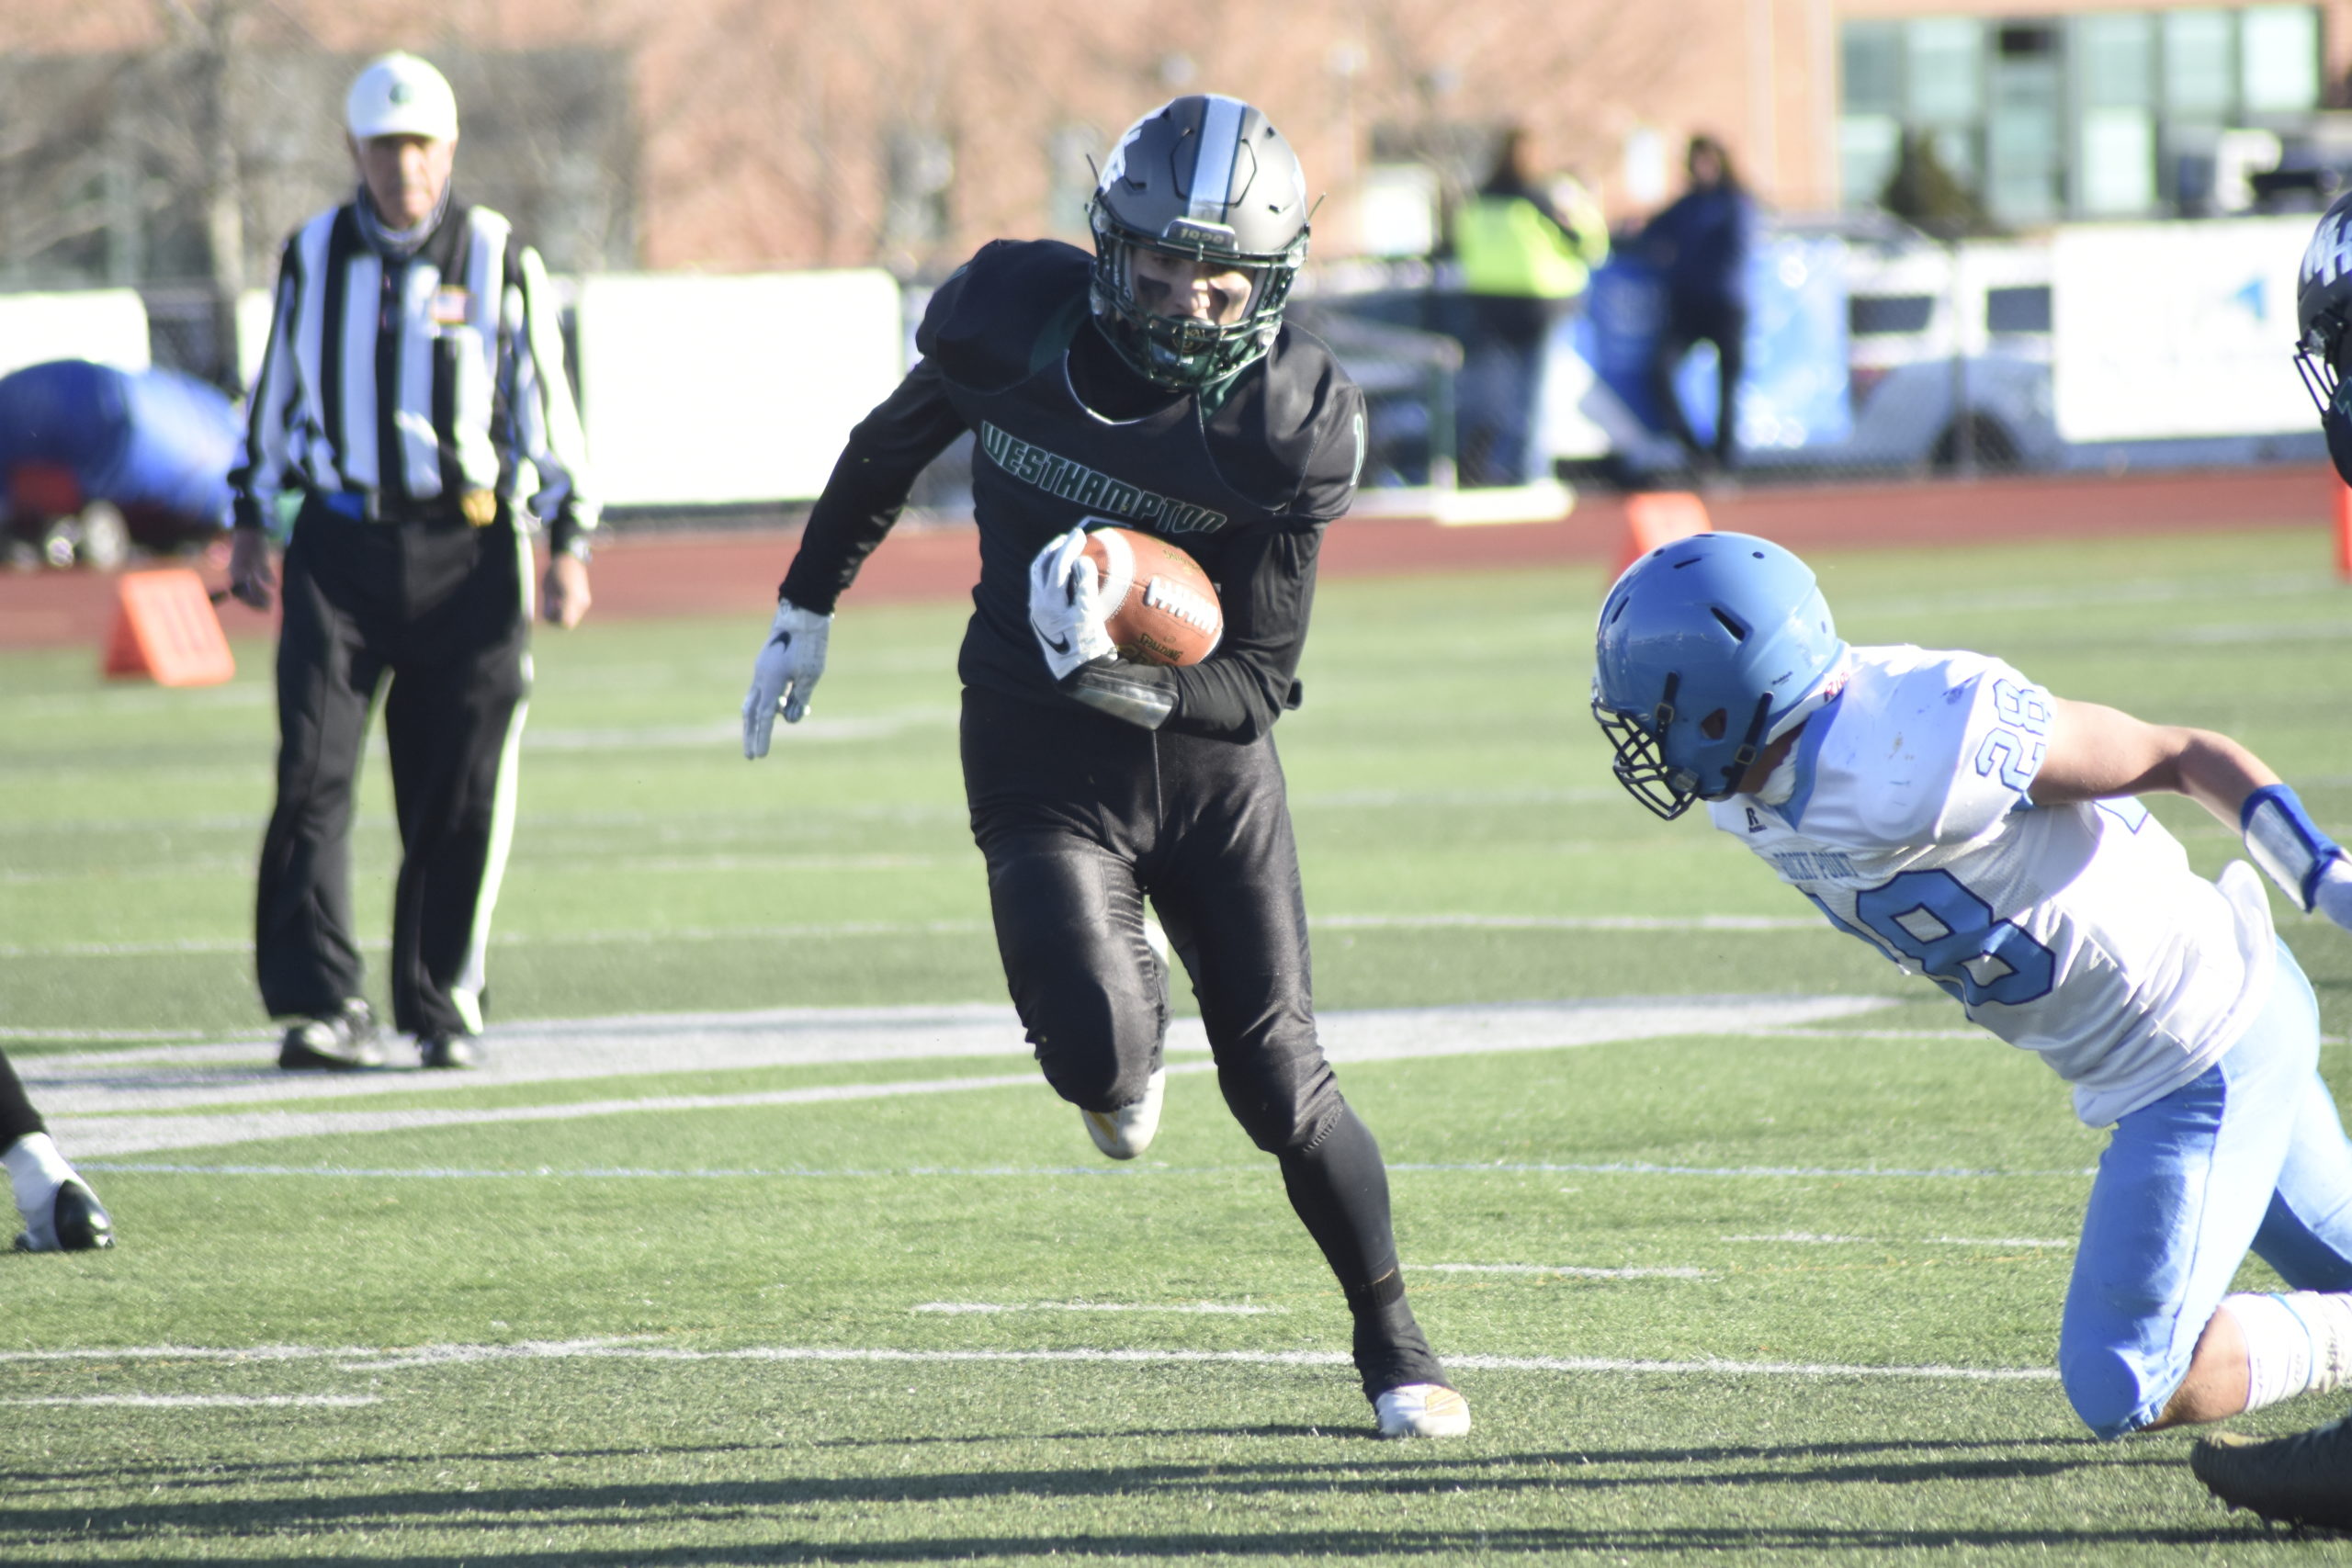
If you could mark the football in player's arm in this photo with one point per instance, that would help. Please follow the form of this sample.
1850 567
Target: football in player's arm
1977 830
1152 386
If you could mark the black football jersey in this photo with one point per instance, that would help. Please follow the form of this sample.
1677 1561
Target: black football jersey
1246 485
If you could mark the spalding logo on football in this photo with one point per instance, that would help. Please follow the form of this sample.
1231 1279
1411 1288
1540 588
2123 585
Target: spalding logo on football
1160 607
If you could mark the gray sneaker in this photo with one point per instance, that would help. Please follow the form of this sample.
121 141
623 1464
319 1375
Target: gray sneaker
343 1041
2303 1479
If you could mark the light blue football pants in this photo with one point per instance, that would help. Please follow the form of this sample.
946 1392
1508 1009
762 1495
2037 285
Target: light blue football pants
2250 1157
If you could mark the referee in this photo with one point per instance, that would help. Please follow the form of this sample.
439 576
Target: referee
413 392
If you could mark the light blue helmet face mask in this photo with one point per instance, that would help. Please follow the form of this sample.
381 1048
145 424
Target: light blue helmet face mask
1709 648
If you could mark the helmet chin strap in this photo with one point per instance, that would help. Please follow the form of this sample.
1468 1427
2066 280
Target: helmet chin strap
1763 730
1751 747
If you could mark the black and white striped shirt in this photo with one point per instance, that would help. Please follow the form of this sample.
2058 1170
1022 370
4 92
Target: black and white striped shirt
416 381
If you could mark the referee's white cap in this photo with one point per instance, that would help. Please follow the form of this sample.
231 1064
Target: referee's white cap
400 95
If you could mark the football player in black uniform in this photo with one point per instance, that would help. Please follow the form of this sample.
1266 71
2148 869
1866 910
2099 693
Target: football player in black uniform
2305 1478
1154 385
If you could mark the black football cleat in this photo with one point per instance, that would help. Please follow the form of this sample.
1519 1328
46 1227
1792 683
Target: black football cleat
340 1041
78 1223
451 1051
2303 1479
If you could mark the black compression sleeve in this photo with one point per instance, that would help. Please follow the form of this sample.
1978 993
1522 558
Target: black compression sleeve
1266 579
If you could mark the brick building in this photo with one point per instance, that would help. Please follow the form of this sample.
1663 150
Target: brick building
743 134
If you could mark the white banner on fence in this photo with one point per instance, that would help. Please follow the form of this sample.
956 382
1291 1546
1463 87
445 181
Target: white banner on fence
109 325
2177 329
715 390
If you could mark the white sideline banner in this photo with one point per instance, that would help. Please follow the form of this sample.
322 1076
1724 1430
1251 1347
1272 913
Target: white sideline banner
2177 329
715 390
108 325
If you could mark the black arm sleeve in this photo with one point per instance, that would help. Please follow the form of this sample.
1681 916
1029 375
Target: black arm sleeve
868 486
1266 579
1265 573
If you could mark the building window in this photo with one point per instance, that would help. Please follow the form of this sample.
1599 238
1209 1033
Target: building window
2115 134
2278 58
2110 114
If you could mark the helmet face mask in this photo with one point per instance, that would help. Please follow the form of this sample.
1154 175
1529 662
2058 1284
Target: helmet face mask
2323 324
1639 760
1708 650
1205 181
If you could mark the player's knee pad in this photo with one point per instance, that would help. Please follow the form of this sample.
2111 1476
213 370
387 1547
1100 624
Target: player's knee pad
1283 1108
1097 1035
1097 1079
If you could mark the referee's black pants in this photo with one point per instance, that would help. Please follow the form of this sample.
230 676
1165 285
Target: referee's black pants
1082 816
442 609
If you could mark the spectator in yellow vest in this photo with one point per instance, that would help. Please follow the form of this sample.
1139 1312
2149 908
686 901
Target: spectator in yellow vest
1526 252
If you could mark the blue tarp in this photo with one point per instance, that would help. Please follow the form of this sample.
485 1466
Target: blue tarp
1795 390
152 440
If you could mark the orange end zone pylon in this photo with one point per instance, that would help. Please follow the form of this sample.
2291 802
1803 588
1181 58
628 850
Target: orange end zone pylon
1659 517
164 629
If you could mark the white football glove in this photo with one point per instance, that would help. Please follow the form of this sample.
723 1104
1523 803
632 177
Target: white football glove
2333 898
786 672
1065 605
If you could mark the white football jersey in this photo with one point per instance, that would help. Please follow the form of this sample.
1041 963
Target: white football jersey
2076 932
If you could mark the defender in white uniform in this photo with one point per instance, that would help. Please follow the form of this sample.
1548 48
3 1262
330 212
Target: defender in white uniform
1977 830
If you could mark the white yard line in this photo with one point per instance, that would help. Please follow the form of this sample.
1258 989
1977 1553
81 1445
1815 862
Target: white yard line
1127 1172
228 1400
868 928
349 1359
1192 1309
1571 1271
115 1134
112 1103
1747 1172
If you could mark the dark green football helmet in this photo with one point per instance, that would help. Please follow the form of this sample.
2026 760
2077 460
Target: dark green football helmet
1202 178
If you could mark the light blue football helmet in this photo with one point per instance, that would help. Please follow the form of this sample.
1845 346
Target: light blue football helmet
1709 648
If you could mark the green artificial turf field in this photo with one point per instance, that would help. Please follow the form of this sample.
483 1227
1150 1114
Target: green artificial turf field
761 1241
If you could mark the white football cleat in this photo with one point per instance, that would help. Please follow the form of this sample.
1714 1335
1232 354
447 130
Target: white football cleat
1128 1131
60 1213
1422 1410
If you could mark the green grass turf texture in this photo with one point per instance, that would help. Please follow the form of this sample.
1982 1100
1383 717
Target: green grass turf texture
1443 766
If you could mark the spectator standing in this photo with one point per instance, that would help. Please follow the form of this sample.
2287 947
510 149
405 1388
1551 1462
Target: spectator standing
1526 254
1700 246
414 375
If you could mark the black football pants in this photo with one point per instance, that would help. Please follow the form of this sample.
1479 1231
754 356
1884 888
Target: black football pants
1082 816
442 610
